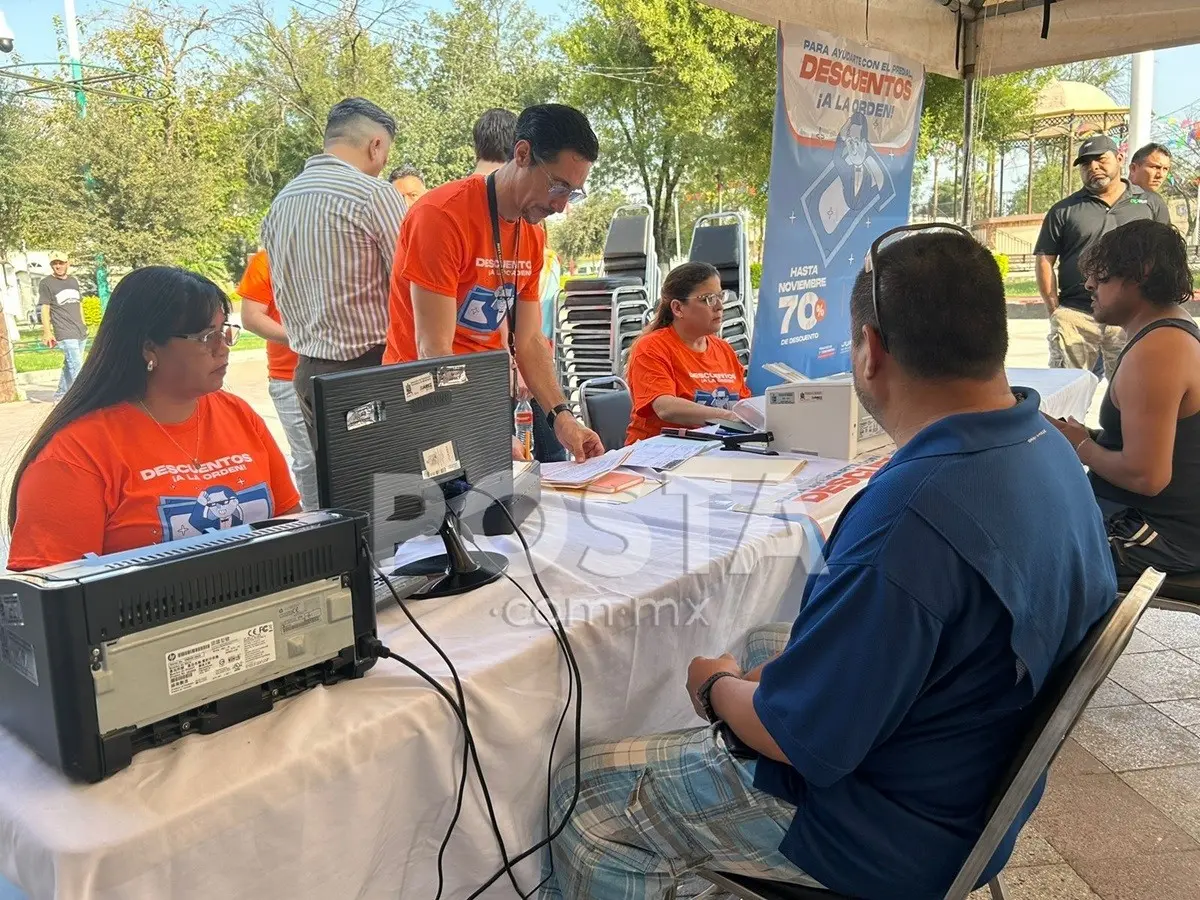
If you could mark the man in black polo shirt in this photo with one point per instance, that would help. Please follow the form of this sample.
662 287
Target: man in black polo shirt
1106 201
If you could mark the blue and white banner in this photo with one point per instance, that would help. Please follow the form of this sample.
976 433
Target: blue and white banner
846 120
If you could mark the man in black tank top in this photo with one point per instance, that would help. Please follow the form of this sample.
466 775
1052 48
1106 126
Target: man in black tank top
1145 459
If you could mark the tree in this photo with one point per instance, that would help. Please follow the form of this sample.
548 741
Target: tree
675 88
480 55
1003 105
580 234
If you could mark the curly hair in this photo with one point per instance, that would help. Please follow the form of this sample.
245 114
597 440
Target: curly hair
1146 253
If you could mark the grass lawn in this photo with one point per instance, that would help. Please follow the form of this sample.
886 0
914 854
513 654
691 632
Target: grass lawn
40 359
1028 287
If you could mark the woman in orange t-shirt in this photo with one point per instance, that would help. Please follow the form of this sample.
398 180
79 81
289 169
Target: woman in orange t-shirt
680 372
145 447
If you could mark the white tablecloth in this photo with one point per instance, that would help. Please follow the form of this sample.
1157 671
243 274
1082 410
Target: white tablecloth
1064 392
347 791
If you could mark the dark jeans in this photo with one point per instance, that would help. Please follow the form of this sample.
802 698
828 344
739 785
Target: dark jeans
307 368
546 446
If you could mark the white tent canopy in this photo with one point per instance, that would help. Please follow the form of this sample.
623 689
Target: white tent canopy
989 37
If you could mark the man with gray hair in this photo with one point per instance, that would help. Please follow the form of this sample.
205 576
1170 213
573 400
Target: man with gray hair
331 235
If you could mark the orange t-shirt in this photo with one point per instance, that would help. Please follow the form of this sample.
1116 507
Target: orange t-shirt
446 247
662 364
114 480
256 286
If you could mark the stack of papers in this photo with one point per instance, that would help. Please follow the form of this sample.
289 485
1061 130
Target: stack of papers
581 474
664 452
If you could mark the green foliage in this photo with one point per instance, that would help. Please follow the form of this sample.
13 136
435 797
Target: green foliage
1004 104
755 275
676 89
92 313
580 234
1002 263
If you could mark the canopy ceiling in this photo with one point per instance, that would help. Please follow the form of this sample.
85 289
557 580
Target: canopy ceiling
982 37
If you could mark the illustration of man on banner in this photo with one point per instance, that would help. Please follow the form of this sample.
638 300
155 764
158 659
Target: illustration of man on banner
855 182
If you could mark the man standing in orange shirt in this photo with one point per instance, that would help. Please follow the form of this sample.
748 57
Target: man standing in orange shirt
470 255
260 316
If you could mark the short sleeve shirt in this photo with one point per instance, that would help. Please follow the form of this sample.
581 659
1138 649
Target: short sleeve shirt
65 301
661 364
132 483
446 247
968 568
1076 221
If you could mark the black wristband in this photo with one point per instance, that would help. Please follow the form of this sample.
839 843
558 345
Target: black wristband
552 416
704 693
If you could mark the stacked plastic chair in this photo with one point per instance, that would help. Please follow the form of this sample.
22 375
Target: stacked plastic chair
598 319
720 239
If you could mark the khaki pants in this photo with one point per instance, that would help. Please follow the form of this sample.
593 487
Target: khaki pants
1076 339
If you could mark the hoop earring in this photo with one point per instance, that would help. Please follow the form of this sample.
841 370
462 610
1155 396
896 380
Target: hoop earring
150 366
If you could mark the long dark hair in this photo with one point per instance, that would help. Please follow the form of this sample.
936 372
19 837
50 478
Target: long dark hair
680 282
149 306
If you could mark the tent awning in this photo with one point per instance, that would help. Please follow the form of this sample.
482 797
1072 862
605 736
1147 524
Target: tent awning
989 37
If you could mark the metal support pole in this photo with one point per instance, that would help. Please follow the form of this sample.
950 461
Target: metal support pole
968 146
1141 98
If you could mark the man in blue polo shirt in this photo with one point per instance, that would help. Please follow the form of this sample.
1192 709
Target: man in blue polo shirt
860 748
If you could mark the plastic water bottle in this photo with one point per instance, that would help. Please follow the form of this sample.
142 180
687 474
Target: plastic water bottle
523 420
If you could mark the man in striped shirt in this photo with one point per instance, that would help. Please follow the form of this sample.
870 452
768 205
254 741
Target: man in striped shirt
330 235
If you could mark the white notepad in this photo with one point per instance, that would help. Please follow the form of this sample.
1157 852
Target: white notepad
720 467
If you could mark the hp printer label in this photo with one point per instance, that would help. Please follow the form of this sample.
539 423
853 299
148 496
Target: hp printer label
209 661
18 653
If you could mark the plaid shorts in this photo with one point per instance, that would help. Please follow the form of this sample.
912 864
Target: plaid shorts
654 809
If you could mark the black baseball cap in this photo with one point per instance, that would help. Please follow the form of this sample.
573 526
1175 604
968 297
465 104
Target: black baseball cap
1096 146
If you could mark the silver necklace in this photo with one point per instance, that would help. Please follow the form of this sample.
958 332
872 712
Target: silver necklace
195 455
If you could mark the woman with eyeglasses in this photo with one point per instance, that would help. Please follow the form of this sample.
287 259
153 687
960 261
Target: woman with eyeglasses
145 447
681 372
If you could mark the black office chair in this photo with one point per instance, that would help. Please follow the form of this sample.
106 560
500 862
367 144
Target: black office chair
1179 593
607 406
1058 707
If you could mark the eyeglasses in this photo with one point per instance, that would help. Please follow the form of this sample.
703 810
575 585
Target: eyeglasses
716 300
213 338
559 188
888 239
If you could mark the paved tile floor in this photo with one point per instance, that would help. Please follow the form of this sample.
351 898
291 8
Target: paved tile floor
1121 816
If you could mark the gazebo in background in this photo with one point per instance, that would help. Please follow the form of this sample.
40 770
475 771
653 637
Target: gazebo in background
1067 113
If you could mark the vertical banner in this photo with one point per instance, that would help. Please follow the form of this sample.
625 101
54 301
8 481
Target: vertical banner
846 120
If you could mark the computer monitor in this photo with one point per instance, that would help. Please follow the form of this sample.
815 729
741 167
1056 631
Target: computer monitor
406 444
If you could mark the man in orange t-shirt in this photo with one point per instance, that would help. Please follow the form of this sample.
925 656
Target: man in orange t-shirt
452 288
260 316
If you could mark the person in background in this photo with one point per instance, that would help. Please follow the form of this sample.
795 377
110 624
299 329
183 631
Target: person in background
1144 462
146 448
450 291
1149 167
551 280
409 181
61 304
859 747
681 371
330 235
260 316
1105 201
494 135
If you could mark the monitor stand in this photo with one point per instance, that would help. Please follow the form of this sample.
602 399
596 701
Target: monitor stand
456 571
